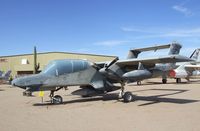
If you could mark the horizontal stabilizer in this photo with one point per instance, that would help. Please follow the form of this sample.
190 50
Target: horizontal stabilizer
195 67
154 48
133 53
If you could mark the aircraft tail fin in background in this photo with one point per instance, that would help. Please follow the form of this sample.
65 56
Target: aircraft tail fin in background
7 74
174 49
1 73
196 55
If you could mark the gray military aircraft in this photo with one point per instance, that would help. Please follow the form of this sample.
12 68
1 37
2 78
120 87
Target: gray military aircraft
187 69
160 69
5 76
101 77
1 73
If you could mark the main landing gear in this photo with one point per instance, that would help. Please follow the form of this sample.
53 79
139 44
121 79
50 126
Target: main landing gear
126 96
57 99
164 81
139 83
178 80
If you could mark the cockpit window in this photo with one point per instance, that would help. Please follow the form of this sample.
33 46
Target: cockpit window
62 67
79 65
50 69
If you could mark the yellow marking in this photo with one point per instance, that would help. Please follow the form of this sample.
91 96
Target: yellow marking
41 93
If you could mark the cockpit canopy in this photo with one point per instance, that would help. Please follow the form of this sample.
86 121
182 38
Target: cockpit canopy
62 67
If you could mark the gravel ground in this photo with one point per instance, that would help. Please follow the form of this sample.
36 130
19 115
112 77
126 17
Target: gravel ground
157 107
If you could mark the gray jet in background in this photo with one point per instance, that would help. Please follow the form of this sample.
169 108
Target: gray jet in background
5 76
101 77
187 69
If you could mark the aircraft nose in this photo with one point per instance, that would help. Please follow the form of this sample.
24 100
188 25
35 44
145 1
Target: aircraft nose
17 82
13 82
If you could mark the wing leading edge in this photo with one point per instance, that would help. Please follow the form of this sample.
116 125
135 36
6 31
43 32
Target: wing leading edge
155 60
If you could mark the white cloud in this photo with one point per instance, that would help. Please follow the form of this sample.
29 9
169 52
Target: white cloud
111 43
135 29
164 32
183 10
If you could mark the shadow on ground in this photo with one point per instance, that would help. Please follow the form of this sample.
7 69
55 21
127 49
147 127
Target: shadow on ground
171 83
150 99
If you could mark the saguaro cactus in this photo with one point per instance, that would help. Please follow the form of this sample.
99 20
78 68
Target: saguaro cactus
36 65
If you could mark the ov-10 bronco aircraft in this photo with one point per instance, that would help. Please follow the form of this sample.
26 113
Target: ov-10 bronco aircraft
99 78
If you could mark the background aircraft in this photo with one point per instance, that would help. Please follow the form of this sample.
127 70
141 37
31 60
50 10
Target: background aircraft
160 70
187 69
5 76
1 73
99 78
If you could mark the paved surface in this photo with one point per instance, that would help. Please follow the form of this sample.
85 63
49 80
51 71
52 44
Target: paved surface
157 107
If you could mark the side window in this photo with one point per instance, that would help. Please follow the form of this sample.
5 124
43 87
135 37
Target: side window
64 68
85 64
79 65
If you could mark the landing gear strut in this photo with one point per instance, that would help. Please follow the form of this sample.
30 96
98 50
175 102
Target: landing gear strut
164 81
127 96
57 99
178 80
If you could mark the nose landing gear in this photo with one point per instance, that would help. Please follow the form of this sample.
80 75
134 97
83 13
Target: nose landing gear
57 99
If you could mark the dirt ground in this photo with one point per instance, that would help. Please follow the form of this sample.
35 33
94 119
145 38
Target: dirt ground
157 107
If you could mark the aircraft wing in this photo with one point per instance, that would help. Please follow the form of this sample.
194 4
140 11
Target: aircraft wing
195 67
153 61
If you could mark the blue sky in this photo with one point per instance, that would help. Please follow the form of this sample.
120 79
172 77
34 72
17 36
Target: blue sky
109 27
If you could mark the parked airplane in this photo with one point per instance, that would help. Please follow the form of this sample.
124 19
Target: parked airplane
98 78
5 76
187 69
161 70
1 73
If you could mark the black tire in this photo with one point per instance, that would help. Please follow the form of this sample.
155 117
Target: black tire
139 83
164 81
128 97
57 99
28 93
178 80
24 93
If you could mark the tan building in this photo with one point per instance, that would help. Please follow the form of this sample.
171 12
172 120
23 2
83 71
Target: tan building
23 64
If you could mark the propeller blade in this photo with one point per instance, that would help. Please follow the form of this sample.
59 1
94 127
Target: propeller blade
112 62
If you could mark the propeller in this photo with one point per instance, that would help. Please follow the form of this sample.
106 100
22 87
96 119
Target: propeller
104 70
111 63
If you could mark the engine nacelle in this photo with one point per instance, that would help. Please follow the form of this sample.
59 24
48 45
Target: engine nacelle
137 75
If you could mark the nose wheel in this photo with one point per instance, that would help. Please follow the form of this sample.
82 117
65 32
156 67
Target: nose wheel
57 99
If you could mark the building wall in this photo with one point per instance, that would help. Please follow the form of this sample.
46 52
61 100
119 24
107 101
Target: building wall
14 63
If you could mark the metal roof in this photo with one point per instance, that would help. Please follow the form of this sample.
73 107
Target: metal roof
57 52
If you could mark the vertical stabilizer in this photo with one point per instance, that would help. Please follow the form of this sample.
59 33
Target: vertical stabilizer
174 49
195 55
7 74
